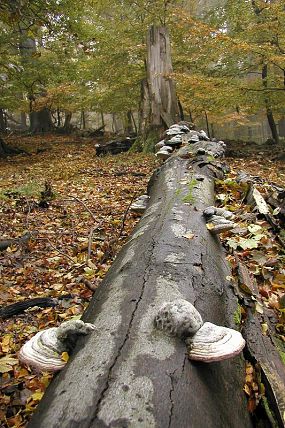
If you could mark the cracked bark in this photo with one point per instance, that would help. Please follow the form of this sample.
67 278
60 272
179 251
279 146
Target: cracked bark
128 374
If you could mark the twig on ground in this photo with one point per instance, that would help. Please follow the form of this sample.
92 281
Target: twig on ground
85 206
90 243
56 249
124 217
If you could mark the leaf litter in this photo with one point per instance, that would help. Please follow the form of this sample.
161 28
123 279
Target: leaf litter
256 252
74 205
79 227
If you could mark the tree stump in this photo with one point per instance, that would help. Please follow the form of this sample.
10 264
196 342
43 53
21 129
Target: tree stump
127 373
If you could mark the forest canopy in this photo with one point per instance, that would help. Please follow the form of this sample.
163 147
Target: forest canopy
65 56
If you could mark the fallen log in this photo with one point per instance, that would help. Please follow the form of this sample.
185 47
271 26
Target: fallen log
19 307
5 243
6 150
127 373
263 350
266 354
115 147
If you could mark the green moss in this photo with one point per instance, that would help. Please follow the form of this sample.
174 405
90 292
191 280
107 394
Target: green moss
3 196
137 147
150 141
31 189
282 355
178 192
145 143
189 198
148 146
279 345
237 315
269 413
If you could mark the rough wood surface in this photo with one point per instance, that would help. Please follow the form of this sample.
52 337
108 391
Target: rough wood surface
162 94
264 351
128 374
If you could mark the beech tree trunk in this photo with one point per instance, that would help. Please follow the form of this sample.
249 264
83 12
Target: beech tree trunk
128 374
269 113
159 105
129 129
40 121
67 120
2 120
83 120
164 103
23 120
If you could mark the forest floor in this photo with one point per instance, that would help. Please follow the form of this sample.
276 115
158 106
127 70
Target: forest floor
75 207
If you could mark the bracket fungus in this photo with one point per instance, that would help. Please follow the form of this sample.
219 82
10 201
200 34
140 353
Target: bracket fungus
140 204
214 343
205 342
159 145
44 350
164 153
218 219
210 211
177 129
175 141
203 135
179 318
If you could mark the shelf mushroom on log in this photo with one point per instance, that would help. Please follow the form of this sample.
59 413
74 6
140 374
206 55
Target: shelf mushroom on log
206 342
44 350
131 374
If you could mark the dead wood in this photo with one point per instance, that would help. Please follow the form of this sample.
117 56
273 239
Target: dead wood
263 351
6 150
19 307
128 374
115 146
5 243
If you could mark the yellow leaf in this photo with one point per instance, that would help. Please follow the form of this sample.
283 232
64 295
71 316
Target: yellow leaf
91 265
100 254
6 342
189 235
46 379
57 286
89 271
264 327
210 226
7 363
37 396
65 356
249 379
116 222
259 308
22 373
246 389
249 369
